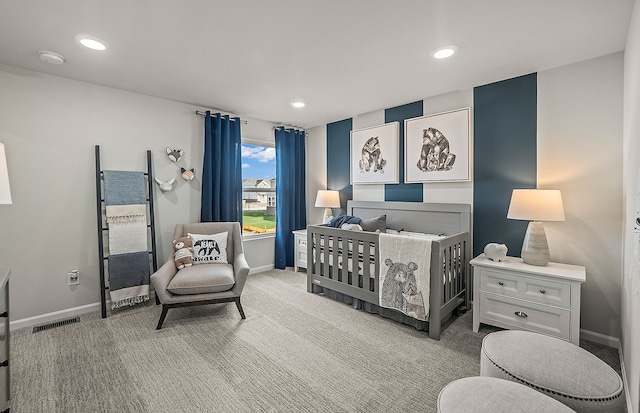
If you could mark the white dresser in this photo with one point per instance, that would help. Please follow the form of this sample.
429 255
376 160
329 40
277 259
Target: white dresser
515 295
300 259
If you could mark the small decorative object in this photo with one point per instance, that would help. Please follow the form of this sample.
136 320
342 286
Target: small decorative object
175 154
183 255
436 147
374 154
167 185
536 205
327 199
188 174
495 252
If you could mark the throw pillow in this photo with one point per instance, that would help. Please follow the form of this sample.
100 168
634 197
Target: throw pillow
209 249
377 224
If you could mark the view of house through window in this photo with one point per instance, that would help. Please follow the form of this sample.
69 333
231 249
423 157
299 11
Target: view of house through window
258 189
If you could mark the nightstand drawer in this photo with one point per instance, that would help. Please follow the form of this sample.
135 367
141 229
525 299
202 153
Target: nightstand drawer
536 290
302 241
512 313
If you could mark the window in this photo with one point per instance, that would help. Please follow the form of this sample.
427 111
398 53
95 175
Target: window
258 188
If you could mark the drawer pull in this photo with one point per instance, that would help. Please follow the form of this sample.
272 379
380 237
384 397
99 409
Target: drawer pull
543 291
4 363
500 283
521 314
4 315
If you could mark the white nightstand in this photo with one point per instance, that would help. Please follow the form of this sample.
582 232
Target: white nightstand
515 295
300 259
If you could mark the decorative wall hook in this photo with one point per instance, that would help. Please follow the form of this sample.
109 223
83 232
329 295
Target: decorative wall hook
175 154
188 174
165 186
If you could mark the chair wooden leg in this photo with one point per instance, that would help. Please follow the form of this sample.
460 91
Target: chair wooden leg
165 308
157 300
240 308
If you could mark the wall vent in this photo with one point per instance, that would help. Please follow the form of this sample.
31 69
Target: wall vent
55 324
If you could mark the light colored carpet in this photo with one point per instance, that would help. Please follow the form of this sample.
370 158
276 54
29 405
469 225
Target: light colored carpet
295 352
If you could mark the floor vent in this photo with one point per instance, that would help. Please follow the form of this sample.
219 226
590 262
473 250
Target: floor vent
55 324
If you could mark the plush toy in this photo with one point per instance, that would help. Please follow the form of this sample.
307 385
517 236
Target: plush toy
183 256
174 154
496 252
188 174
166 185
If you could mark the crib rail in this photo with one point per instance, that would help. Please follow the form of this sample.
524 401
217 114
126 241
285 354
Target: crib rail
347 262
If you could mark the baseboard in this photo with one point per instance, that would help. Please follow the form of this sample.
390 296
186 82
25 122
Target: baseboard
627 396
599 338
54 316
261 269
62 314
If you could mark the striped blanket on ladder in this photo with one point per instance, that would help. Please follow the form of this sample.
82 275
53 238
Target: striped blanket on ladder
126 215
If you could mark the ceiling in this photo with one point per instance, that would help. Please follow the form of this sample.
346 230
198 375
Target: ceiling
342 57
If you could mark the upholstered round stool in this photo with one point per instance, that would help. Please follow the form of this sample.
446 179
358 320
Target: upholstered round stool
491 395
553 367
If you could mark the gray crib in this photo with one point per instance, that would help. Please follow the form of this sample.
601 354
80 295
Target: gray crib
347 261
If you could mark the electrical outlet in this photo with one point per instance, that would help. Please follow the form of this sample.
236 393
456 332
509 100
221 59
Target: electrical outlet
73 277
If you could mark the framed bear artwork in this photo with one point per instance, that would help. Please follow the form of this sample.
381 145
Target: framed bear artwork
436 147
374 154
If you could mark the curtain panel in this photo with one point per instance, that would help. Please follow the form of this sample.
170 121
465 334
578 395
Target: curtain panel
290 192
221 170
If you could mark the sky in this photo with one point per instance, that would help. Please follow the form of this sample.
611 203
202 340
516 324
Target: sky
258 162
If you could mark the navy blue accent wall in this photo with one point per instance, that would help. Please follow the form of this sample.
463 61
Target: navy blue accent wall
402 191
505 117
338 162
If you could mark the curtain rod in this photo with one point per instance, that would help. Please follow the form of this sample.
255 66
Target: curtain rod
288 126
201 113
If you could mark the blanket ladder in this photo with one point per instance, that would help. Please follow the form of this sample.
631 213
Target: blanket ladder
103 228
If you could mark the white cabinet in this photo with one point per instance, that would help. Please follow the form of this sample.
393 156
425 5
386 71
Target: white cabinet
300 259
515 295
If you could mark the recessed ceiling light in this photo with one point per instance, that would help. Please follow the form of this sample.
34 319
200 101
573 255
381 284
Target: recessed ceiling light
91 42
297 104
51 57
444 52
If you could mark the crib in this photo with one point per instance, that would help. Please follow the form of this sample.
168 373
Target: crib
346 262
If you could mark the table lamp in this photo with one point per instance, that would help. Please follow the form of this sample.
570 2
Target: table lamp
5 190
327 199
536 205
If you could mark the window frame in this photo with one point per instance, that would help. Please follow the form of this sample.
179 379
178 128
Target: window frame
266 144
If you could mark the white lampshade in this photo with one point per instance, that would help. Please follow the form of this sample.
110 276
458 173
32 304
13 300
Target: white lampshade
5 190
327 199
536 205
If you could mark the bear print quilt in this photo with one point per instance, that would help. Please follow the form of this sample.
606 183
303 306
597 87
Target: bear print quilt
405 275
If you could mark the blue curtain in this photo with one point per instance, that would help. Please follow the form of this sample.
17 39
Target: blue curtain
221 170
290 193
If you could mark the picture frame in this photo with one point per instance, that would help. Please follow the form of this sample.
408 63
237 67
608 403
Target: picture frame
437 147
375 154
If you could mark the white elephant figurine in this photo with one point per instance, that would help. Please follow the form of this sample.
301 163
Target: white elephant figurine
495 252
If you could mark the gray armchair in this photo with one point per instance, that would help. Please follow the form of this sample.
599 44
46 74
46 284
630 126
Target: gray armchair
203 283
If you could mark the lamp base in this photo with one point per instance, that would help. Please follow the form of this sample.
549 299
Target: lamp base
328 215
535 250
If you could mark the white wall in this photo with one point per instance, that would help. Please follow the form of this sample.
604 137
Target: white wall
50 125
631 278
451 192
316 172
580 153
